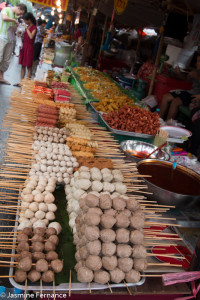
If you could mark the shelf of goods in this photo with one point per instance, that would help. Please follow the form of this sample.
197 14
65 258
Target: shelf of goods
83 221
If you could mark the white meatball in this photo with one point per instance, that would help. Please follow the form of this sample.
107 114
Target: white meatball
40 214
28 198
50 216
49 198
97 186
27 191
25 223
50 188
34 206
28 214
52 207
39 223
43 207
39 198
33 220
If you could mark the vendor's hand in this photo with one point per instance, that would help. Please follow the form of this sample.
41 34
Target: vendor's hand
16 22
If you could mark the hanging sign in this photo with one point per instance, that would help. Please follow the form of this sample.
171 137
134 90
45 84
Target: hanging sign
120 6
52 3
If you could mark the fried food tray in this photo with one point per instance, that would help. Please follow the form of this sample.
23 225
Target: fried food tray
64 287
128 133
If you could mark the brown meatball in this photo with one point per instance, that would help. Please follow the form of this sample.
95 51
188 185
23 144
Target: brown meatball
95 210
92 233
48 276
75 239
108 249
122 235
83 252
57 265
92 219
24 254
139 251
122 221
125 264
117 275
140 264
132 276
22 237
101 277
93 262
25 264
54 239
111 212
28 231
34 276
37 238
79 264
41 265
37 247
137 237
51 255
105 201
107 221
49 246
107 235
23 246
38 255
124 250
126 213
91 200
119 203
84 274
50 231
94 247
20 276
132 204
109 262
137 222
39 230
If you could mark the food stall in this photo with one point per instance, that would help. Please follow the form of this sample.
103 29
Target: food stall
81 207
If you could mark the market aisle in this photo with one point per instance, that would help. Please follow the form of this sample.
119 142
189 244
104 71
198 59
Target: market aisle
13 76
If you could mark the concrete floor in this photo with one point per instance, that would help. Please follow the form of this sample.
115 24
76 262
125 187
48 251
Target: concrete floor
13 76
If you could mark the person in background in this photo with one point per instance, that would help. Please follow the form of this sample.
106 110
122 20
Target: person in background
172 100
27 52
39 39
146 70
8 26
77 33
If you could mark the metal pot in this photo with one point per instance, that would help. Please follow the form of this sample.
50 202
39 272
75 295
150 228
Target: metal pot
62 53
142 146
167 197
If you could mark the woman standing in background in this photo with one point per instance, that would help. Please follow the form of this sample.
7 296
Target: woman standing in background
27 51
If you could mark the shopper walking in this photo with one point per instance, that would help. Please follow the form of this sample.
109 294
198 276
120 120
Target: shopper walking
8 26
27 51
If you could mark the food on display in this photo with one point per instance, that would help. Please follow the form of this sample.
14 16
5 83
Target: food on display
134 119
114 104
91 162
66 114
54 135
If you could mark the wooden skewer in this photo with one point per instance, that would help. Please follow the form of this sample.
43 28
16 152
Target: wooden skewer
109 287
41 286
25 289
54 292
70 282
127 288
89 287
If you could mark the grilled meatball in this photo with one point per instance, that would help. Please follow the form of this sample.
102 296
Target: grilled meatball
108 249
37 247
84 274
132 276
125 264
109 262
117 275
101 277
20 276
41 265
51 255
57 265
38 255
48 276
93 262
25 264
34 276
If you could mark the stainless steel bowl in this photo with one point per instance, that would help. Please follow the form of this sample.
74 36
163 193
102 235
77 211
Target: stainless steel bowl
166 197
142 146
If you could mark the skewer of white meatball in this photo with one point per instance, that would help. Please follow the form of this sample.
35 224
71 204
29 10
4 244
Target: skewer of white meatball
48 134
53 160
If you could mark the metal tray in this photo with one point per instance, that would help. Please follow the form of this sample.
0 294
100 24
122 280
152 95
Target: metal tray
128 133
64 286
